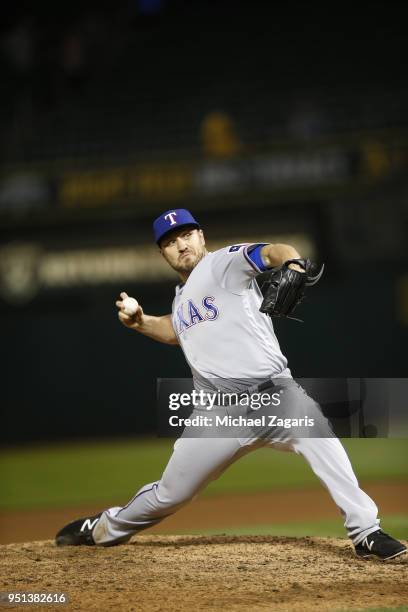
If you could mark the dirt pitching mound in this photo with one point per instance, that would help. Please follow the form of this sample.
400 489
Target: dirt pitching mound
206 573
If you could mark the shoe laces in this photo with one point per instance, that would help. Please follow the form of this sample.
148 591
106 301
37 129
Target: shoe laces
380 534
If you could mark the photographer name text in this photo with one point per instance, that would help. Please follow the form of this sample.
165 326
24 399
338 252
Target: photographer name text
271 420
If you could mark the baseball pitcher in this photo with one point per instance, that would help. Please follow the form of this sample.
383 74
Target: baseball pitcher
223 324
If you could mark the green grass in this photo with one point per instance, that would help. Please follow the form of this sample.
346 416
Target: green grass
265 469
79 473
397 524
101 472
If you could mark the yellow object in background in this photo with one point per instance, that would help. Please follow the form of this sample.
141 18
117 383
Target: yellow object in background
376 160
219 138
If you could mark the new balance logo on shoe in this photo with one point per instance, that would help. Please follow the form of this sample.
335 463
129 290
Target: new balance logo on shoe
89 524
369 545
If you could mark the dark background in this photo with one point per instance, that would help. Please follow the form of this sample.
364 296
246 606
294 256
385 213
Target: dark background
112 114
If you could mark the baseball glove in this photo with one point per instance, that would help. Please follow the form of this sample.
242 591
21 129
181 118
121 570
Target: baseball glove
284 288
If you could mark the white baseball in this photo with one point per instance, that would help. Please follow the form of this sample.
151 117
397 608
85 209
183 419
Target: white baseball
130 306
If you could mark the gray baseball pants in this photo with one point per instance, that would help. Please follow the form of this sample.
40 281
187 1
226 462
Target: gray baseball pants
195 462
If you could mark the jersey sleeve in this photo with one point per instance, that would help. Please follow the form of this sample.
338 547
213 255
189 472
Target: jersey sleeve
235 266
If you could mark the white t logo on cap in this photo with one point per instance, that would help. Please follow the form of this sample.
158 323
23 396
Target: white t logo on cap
172 221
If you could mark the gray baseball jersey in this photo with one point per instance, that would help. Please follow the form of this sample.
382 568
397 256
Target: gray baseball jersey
216 317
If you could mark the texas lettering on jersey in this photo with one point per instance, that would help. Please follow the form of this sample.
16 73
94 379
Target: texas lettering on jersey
188 314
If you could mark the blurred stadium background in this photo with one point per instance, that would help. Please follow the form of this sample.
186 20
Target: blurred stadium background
269 123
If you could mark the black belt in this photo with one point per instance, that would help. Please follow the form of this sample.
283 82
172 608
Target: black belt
262 386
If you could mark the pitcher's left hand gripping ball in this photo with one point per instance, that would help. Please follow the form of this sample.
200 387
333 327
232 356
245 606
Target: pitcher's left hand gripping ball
285 288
